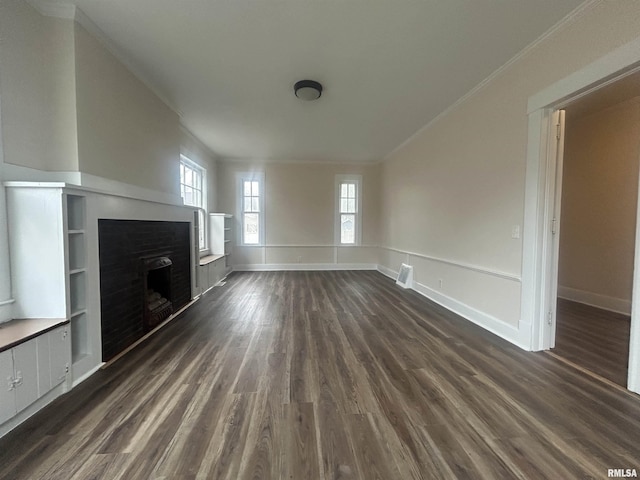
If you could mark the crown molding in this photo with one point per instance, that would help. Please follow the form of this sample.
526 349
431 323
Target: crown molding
54 9
69 11
82 19
303 161
568 19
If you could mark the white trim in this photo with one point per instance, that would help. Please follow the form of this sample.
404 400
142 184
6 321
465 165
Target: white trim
503 330
57 10
633 376
357 180
7 302
71 12
330 245
190 153
539 180
570 17
203 226
253 176
199 170
618 63
612 304
273 267
82 19
467 266
13 174
306 161
82 378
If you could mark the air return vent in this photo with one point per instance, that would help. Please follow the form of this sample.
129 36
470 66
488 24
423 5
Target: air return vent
405 276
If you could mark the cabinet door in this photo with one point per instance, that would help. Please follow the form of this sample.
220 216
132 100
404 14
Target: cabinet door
203 280
25 366
220 269
7 393
60 354
212 274
44 358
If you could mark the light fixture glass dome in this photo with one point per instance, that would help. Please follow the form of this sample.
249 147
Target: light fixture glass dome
308 90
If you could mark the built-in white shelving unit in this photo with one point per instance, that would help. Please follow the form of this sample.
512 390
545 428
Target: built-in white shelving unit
228 241
48 240
216 266
77 276
55 276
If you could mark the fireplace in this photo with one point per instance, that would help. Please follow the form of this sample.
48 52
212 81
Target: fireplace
137 256
156 294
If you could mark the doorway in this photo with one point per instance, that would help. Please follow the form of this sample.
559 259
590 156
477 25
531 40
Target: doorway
539 272
597 224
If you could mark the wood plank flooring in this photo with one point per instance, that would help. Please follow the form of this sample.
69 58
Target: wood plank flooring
327 375
595 339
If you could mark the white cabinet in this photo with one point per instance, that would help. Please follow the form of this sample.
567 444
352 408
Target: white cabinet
31 369
59 354
44 370
25 367
221 237
48 243
7 393
211 270
19 370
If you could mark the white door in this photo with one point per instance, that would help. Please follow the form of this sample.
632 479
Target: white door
7 393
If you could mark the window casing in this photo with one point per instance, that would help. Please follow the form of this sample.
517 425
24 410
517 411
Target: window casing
348 209
193 192
251 208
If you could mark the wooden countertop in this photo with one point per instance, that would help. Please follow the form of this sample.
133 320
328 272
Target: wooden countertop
20 330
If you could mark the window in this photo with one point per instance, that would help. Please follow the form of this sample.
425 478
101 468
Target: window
192 189
348 218
251 192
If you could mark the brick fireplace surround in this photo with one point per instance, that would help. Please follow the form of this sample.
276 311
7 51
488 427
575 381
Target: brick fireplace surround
124 244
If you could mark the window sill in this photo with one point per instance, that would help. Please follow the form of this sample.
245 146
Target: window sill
209 259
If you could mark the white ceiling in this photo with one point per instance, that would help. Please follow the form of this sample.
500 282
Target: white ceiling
388 66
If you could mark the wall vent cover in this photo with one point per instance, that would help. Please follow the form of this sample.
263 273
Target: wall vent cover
405 276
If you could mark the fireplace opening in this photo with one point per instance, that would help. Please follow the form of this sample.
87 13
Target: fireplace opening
158 307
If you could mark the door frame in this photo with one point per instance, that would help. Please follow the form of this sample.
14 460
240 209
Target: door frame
539 265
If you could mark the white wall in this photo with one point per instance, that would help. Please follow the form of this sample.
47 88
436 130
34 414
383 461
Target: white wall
37 86
125 132
72 112
6 310
300 213
454 193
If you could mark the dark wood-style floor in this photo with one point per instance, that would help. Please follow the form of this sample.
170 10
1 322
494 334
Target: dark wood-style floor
328 375
595 339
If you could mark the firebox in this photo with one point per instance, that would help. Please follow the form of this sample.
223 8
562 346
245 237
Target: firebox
157 304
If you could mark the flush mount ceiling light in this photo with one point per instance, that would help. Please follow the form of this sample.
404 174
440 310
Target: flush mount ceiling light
307 90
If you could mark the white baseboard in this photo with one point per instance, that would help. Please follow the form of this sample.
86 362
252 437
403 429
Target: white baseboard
82 378
387 271
612 304
273 267
518 336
